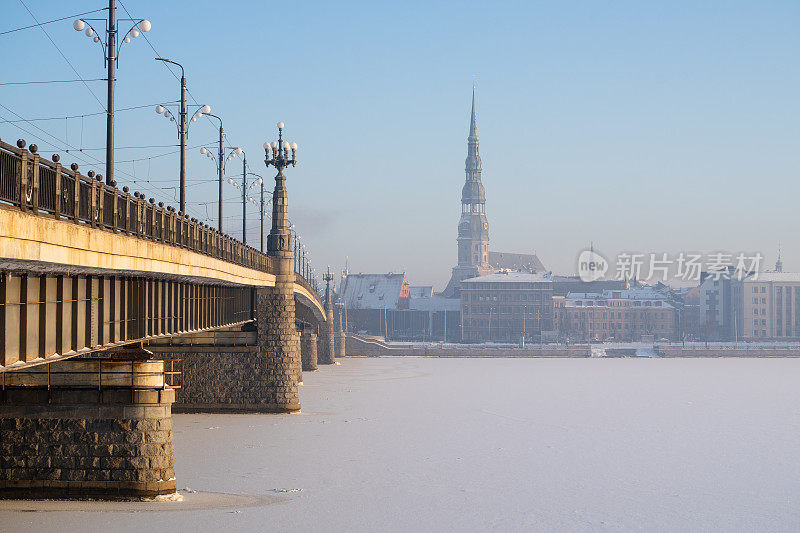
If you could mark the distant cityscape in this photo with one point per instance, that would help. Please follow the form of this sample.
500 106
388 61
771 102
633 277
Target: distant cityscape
502 297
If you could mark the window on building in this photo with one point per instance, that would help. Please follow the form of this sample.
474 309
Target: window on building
763 289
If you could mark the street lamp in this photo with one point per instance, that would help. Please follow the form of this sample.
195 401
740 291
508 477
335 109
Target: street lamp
260 181
207 153
221 162
111 56
182 127
279 240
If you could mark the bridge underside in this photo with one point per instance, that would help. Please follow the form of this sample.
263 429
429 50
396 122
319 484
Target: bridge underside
47 314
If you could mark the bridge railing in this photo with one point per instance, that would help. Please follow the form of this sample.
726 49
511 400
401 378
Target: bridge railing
41 186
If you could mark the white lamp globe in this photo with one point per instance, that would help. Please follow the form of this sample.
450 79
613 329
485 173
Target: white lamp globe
293 146
274 145
206 109
194 119
285 145
238 151
280 125
126 40
159 109
79 25
230 180
134 33
89 32
266 145
145 25
260 181
172 119
203 150
96 39
167 114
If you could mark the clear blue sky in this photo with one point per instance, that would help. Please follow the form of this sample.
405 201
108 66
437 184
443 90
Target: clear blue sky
643 126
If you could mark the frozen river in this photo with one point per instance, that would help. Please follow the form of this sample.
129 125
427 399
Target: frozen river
408 444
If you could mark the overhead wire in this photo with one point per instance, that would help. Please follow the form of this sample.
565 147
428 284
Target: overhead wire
40 82
85 114
51 21
62 54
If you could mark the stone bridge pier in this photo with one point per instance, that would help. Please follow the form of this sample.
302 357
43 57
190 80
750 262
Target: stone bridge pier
253 369
86 428
308 349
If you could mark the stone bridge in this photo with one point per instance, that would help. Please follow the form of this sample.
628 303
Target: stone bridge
104 296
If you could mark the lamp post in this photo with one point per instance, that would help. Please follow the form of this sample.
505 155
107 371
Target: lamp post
279 241
111 51
182 128
260 181
220 165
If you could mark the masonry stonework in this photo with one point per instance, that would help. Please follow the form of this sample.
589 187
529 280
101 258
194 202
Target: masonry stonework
308 348
83 444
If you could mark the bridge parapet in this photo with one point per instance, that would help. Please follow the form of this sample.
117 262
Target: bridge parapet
38 185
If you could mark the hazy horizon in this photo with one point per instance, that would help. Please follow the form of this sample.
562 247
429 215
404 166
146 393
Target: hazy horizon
650 128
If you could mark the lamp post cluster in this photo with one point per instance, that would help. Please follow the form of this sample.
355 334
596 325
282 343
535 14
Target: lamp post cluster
182 127
276 152
111 51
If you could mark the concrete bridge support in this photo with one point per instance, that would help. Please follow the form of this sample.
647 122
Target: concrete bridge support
86 434
341 338
308 348
241 371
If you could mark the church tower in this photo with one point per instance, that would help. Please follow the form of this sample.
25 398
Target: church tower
473 228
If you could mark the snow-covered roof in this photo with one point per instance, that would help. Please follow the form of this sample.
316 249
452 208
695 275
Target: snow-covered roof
529 262
510 277
373 291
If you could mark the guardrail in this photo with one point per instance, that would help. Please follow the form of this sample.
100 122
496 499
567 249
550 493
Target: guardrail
39 185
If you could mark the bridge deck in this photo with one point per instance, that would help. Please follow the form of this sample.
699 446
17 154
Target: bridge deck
85 266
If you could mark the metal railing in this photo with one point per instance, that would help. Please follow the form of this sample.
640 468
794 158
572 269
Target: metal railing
39 185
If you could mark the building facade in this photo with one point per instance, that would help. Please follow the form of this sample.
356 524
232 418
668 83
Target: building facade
506 307
770 306
618 315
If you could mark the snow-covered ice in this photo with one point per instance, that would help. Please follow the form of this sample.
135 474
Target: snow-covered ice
413 444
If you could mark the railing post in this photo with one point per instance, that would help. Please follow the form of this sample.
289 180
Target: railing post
115 208
23 180
76 198
35 187
141 207
57 199
152 210
127 199
101 193
93 203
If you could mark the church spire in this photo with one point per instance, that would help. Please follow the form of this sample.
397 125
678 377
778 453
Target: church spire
473 162
473 125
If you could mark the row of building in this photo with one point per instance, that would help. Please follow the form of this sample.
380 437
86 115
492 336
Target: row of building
730 308
508 297
507 306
